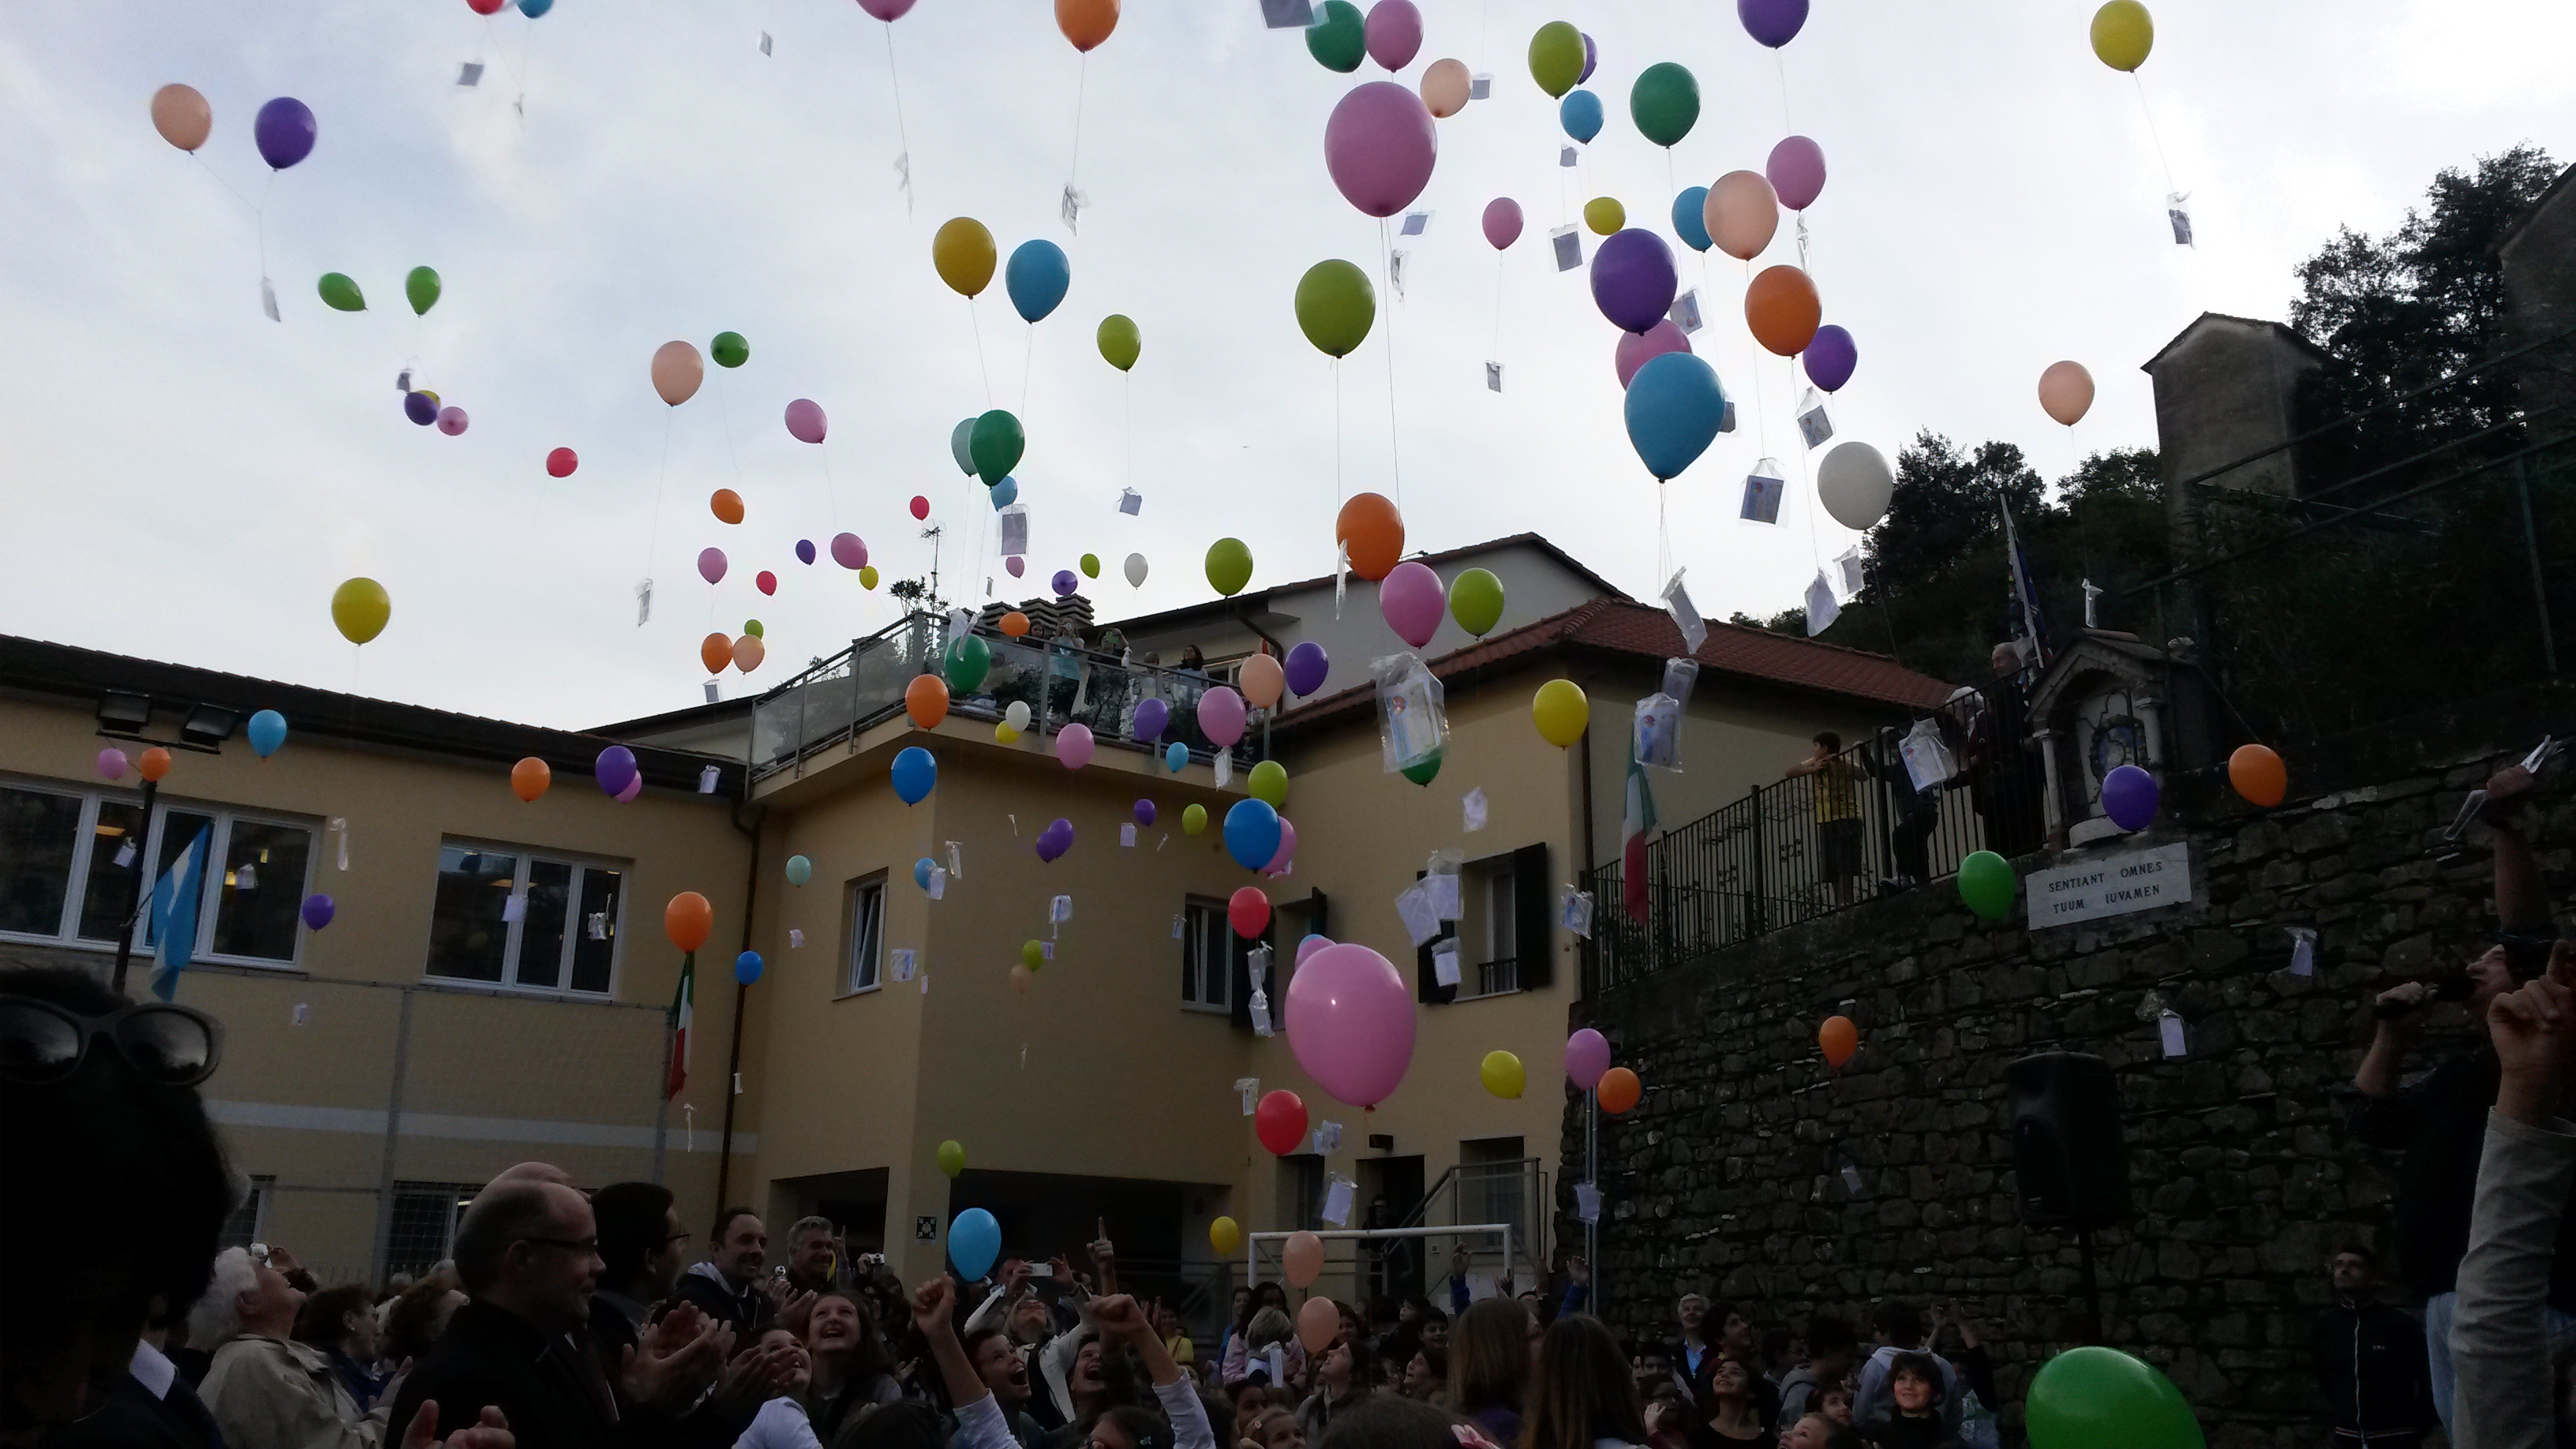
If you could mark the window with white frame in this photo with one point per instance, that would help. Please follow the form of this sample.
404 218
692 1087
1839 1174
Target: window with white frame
867 935
1210 955
67 858
506 916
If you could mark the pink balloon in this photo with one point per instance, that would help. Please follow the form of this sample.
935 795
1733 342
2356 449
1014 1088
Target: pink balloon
112 764
1394 32
1073 746
711 564
1309 947
634 786
888 11
805 421
1502 222
1412 598
1350 1022
1286 852
1797 171
451 420
1587 1056
1015 565
1637 348
1221 716
1380 146
849 551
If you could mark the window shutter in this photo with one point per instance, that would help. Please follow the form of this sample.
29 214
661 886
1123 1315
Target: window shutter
1426 977
1533 923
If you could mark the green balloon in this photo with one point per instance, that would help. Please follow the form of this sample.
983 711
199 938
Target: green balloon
1032 954
422 288
2101 1398
752 628
969 660
996 446
1665 103
1091 566
1987 884
1268 783
1423 772
1556 57
961 446
1476 601
340 293
1120 342
1336 306
1339 36
1229 566
730 349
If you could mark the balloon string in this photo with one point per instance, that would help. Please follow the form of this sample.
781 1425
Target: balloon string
1498 306
1339 494
975 320
259 214
661 483
2150 113
1028 360
903 133
1127 395
527 44
1663 533
1807 500
1394 440
220 181
726 414
1781 63
831 490
1081 85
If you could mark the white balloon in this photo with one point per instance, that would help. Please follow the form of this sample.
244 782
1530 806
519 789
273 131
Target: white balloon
1853 483
1136 570
1017 716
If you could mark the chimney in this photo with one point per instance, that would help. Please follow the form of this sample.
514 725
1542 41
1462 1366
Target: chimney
2226 388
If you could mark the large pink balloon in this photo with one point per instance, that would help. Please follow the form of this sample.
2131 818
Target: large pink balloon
1502 222
1286 852
711 564
1221 716
1380 145
887 10
1412 599
1073 746
805 421
1309 947
1394 32
1637 348
1796 171
1350 1022
1587 1056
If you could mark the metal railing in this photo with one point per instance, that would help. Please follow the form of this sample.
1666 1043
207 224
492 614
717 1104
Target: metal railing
1513 1193
1808 845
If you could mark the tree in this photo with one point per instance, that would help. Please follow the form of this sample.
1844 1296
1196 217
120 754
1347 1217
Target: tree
1944 503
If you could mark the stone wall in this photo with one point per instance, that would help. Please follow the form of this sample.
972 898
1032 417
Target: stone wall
1729 1177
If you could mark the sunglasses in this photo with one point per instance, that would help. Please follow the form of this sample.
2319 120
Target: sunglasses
170 1046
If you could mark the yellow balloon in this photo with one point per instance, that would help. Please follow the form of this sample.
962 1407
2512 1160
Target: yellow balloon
2123 33
963 252
1003 734
1604 215
1561 712
1225 1236
1268 783
867 576
952 1157
360 607
1194 819
1502 1074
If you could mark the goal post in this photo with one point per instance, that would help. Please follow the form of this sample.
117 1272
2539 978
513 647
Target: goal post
1356 1267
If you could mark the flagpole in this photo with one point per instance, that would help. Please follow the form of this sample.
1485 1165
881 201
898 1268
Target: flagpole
134 892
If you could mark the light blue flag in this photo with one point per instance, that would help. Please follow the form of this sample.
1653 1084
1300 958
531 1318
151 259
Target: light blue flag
175 898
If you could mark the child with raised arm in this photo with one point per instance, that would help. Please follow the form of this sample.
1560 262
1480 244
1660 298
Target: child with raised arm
1122 1325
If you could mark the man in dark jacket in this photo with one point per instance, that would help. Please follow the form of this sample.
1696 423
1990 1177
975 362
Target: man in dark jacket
728 1286
2371 1362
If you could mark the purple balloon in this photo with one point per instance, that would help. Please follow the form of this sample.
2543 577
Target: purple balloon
1015 565
1380 146
1636 349
1152 715
1591 58
711 564
805 421
805 550
1065 583
848 551
1306 667
1502 222
1055 840
888 11
318 911
1633 279
1144 812
2129 797
1394 33
615 769
285 131
1772 22
1831 357
1796 170
420 407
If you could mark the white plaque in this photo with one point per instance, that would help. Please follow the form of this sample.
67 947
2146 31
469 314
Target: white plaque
2111 885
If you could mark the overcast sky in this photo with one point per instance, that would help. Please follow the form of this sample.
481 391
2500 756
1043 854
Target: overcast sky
186 480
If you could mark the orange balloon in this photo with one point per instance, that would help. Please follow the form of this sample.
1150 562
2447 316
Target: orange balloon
2066 392
1742 214
1782 309
1086 22
926 700
1372 533
1021 976
2254 770
182 116
1838 1039
1261 679
748 651
1618 1090
726 505
1015 624
530 777
715 652
153 763
687 920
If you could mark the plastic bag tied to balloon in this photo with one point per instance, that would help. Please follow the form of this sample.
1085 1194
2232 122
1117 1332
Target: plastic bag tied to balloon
1413 725
1657 736
1685 614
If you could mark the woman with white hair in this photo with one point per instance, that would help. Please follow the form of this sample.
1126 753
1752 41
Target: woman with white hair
265 1390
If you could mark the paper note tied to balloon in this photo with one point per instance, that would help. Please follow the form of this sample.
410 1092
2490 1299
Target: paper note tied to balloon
1015 529
1475 808
1813 424
1130 502
1568 242
470 73
1444 962
1658 733
1481 86
1575 912
2170 1034
1493 377
1587 1202
514 906
1567 156
1854 571
1762 494
938 886
1337 1200
1685 312
1822 607
1249 1089
2180 218
1288 14
1415 223
1421 922
1448 902
2303 951
643 601
1224 763
904 963
1127 834
1328 1137
764 42
795 939
268 299
1685 614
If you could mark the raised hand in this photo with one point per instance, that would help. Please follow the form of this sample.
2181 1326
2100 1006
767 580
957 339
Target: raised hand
1120 1318
795 1311
489 1431
675 1360
2533 1027
934 1305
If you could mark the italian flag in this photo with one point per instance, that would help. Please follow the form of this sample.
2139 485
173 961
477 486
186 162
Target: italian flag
1635 820
683 1007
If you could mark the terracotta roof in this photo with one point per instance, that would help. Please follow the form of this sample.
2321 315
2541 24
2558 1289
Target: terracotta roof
1236 603
1636 631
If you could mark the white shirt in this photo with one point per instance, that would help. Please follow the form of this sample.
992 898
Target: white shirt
152 1369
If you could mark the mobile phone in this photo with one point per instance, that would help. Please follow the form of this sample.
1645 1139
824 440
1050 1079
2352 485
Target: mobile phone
779 1273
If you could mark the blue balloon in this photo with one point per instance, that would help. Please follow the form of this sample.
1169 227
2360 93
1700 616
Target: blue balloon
1675 408
1175 755
921 870
1580 114
1251 833
1690 218
914 773
1005 493
1037 277
746 967
420 407
534 8
974 1241
267 731
805 550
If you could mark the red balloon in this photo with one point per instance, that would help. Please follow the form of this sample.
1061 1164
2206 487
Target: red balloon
920 506
561 462
1280 1122
768 582
1249 912
485 7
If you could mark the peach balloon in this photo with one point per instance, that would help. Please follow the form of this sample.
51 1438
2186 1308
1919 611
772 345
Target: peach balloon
1742 213
1782 309
2066 392
677 371
748 651
1261 680
1301 1261
1319 1322
1445 87
182 116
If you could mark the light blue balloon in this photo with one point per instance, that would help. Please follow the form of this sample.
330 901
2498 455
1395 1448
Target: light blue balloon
1005 493
1580 114
534 8
1251 833
914 773
267 731
746 967
799 870
974 1241
1690 218
1039 273
1675 408
961 446
921 870
1175 755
